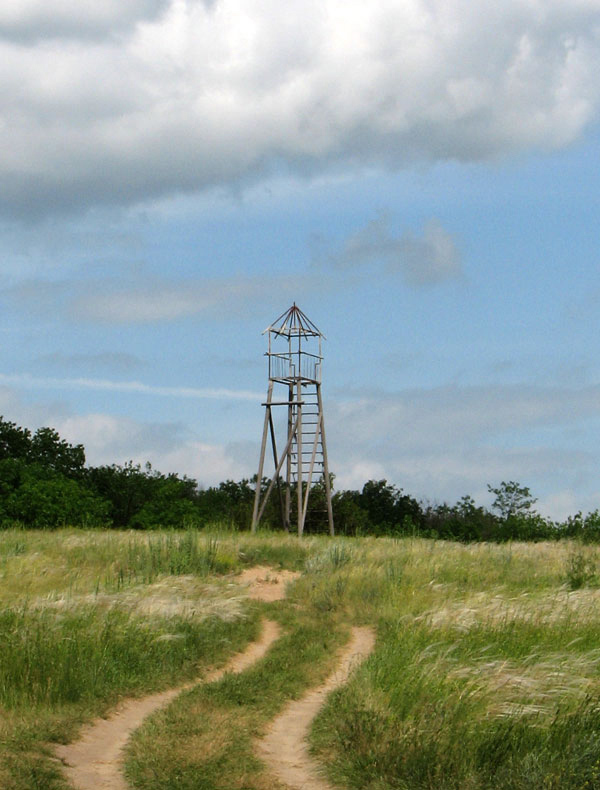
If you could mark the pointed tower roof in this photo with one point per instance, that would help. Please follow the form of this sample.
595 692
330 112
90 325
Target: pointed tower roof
294 323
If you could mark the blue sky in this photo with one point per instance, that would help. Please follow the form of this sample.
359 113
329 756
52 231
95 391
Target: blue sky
420 177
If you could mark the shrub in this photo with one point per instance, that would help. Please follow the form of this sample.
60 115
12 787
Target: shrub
580 570
54 501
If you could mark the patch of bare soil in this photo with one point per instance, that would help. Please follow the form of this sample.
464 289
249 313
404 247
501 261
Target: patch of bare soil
284 748
94 761
266 584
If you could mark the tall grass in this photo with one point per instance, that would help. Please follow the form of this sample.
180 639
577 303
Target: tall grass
205 739
173 554
88 617
486 673
87 654
465 714
34 563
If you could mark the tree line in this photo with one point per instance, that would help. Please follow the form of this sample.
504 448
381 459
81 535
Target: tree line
45 483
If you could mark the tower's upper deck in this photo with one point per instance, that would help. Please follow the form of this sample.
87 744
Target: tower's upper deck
294 348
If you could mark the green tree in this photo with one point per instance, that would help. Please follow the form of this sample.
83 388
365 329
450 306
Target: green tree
388 507
128 488
15 442
43 499
512 499
349 517
518 519
144 498
49 450
171 503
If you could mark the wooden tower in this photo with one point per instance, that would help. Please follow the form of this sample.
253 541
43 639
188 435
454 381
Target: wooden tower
294 388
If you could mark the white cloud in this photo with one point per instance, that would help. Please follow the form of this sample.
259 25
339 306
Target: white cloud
25 381
209 464
564 503
110 439
421 260
436 444
151 299
168 447
35 19
189 94
445 442
434 418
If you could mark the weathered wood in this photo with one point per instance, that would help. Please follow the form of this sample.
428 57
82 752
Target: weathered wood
276 464
288 471
277 471
311 468
297 367
261 462
326 477
299 458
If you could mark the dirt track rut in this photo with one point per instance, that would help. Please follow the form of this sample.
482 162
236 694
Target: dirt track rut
284 748
94 761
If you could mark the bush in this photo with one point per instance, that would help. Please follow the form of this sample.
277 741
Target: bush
580 571
53 502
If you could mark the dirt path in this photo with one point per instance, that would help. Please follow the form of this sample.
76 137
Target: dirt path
284 748
264 583
94 761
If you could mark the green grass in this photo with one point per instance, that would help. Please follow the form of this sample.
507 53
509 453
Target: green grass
89 654
493 708
205 739
89 617
486 673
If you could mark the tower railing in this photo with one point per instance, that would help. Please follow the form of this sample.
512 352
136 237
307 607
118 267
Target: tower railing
283 366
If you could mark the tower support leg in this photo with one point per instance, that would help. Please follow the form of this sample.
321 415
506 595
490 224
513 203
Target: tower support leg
261 463
326 478
288 466
299 457
265 499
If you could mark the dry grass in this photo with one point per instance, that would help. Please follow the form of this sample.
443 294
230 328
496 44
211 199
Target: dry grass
485 655
494 607
535 685
185 597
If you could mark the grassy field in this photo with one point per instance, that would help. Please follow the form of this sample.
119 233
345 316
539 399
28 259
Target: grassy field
485 673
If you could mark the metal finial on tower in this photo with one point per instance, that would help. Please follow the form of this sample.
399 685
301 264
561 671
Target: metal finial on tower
294 356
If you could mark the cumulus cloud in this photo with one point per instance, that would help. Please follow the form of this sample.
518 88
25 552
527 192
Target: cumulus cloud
187 94
444 442
168 447
163 301
109 439
438 444
36 19
456 415
422 260
209 464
